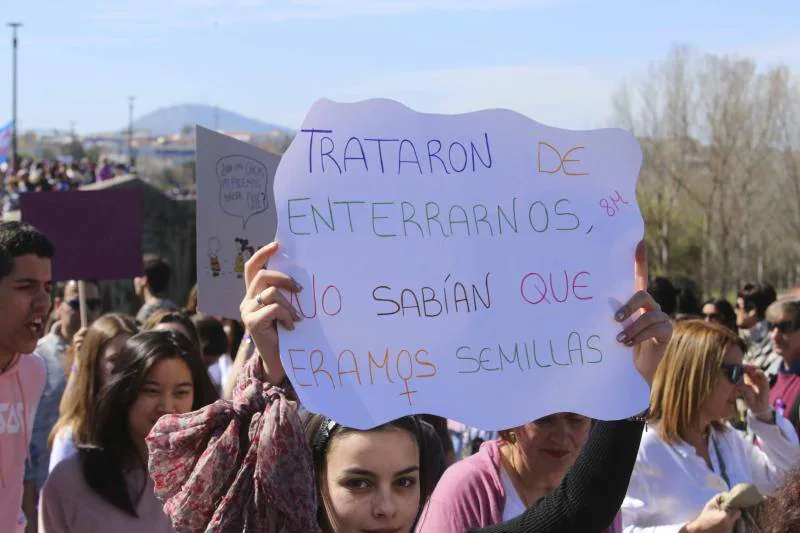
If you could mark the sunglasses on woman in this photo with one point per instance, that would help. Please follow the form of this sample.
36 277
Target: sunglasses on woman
733 372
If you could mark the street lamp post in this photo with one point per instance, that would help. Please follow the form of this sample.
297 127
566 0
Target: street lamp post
14 154
130 130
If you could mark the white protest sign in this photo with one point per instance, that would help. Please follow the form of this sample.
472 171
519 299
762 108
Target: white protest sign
467 266
235 216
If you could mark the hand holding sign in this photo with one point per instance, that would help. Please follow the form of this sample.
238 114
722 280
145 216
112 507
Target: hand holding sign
651 332
264 306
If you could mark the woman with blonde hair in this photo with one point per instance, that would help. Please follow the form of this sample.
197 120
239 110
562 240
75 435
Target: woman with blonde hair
95 359
689 454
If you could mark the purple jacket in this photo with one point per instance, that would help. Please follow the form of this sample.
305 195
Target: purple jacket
470 494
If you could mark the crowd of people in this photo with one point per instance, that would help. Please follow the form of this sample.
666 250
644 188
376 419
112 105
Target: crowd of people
173 420
45 176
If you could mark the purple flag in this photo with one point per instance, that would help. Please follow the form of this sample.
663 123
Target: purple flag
97 234
6 132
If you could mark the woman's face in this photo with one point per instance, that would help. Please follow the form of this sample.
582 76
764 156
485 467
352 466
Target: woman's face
372 478
110 353
721 404
549 446
168 388
710 314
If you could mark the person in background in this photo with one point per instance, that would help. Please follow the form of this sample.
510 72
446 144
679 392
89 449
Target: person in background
25 287
751 307
720 311
665 294
173 320
106 172
507 475
688 302
191 302
105 487
54 350
96 357
689 454
214 345
783 317
153 287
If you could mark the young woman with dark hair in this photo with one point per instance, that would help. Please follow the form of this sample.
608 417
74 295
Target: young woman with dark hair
105 487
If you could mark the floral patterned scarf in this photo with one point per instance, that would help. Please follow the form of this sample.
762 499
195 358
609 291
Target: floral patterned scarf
236 466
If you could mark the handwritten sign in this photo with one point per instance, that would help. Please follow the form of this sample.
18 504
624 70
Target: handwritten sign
467 266
87 228
235 216
242 187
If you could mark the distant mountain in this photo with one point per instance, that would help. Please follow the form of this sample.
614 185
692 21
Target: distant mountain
172 119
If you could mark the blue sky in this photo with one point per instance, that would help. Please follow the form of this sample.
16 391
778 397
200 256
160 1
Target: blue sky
555 61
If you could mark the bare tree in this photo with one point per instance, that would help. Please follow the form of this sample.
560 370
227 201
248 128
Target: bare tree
711 130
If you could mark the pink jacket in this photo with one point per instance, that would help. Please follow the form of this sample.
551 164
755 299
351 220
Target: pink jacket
21 386
471 494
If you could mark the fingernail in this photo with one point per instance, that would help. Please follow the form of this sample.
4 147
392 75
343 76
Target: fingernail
620 316
297 286
298 317
622 337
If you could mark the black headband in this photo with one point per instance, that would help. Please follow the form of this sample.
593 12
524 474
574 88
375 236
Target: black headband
326 428
322 436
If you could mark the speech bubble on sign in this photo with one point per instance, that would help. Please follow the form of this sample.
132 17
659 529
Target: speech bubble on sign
243 183
467 266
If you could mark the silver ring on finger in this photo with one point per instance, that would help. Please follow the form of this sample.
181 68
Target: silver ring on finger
258 300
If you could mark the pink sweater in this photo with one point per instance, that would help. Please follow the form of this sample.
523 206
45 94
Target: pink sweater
69 505
471 494
21 386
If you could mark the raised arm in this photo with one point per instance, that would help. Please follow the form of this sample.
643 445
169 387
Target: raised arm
264 306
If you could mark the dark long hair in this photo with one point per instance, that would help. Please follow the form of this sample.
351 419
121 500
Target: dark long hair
321 430
113 451
725 311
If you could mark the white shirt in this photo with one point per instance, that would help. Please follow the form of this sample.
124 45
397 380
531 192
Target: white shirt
671 484
63 447
514 506
220 371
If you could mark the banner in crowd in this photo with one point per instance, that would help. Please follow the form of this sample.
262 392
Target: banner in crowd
467 266
235 216
6 133
97 234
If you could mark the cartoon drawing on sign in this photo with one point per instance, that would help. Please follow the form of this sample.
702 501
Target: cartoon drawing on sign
243 247
243 186
213 256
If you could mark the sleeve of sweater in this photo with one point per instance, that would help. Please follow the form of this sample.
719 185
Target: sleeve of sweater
591 493
52 504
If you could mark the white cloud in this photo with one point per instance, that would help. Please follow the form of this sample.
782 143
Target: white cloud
565 96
